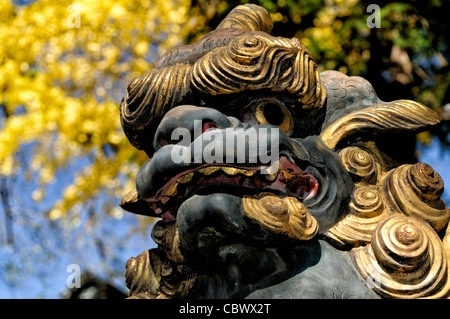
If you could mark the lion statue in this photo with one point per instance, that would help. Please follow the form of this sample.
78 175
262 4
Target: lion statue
335 207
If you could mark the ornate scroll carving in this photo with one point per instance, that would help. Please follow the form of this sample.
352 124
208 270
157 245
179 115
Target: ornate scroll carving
160 274
399 115
335 203
366 211
248 17
226 61
140 278
406 259
400 256
287 216
416 190
257 62
413 190
359 163
148 98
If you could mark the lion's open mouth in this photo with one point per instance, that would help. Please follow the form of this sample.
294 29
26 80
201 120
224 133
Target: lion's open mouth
285 178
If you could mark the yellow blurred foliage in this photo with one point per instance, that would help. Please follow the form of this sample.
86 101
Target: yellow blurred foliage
328 39
64 66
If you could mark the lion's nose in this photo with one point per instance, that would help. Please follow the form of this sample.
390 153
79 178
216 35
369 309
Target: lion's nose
192 119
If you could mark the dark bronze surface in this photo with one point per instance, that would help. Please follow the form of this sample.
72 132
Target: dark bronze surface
339 215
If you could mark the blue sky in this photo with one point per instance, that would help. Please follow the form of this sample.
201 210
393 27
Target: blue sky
439 159
35 265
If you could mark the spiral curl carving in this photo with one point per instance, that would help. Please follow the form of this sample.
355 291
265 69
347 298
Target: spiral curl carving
248 17
260 61
406 259
148 98
241 20
366 202
415 190
366 212
358 163
153 275
167 237
140 277
281 215
248 62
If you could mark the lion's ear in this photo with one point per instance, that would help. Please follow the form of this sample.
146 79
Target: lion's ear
390 117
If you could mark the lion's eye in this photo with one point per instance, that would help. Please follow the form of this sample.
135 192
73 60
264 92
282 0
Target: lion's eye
275 113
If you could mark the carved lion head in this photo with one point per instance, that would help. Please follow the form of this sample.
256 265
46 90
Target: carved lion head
272 180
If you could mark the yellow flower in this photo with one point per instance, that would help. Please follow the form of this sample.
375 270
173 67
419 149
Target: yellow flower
60 65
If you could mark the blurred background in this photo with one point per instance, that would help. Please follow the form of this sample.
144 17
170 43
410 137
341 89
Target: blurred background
64 160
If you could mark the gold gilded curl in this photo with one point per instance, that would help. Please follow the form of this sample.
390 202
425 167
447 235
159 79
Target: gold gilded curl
357 227
239 66
152 275
248 17
415 190
358 163
260 61
281 215
406 259
400 115
366 202
402 246
140 276
148 98
246 50
429 183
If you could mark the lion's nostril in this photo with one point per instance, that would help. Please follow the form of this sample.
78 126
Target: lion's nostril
163 142
207 125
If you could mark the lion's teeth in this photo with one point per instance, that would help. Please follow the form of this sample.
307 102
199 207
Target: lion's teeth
172 189
246 172
271 177
230 170
286 175
234 171
186 178
212 169
209 170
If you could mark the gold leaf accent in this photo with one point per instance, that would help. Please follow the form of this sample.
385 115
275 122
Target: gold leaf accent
248 17
246 172
446 242
209 170
398 115
281 215
148 98
167 238
132 203
230 170
140 276
286 125
172 189
358 163
366 212
260 61
415 190
153 275
406 259
186 178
